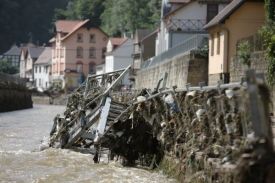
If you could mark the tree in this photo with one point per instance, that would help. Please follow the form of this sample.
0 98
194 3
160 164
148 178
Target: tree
268 34
244 52
19 18
6 67
125 16
270 10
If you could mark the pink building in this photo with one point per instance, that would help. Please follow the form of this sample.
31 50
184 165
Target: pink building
78 46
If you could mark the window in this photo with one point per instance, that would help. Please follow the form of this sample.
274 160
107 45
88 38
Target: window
212 11
92 52
39 69
103 52
212 45
92 70
79 38
218 43
79 52
79 68
92 67
35 69
92 38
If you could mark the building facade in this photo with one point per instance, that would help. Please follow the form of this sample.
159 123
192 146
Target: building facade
77 48
42 69
240 19
183 19
119 51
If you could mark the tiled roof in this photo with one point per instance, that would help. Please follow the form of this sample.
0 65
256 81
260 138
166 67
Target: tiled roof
35 52
66 26
13 51
117 41
45 57
69 27
225 13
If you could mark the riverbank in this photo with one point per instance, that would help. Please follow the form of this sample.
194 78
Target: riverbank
14 96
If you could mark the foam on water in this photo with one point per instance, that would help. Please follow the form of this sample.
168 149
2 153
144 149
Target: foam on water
23 161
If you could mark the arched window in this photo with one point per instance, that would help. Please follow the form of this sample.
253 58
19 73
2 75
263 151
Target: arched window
79 65
92 52
79 52
92 69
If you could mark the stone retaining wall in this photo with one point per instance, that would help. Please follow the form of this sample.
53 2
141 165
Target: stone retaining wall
258 63
187 68
14 97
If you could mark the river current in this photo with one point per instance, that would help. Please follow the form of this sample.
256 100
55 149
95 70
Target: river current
21 133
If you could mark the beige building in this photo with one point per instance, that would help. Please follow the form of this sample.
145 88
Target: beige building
77 48
241 18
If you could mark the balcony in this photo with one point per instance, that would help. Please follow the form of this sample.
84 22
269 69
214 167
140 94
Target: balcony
186 25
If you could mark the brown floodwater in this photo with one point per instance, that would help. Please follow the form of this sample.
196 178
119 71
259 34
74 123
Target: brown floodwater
21 133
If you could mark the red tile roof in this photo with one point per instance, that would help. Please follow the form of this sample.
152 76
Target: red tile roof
66 26
69 27
117 41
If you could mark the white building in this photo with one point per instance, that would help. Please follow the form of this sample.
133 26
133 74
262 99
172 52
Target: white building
182 19
29 55
118 56
42 69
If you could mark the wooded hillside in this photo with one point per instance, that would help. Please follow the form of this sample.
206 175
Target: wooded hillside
25 20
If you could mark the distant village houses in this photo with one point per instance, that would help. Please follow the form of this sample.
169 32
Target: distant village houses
77 48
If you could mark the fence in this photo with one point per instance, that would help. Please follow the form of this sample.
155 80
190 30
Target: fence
10 78
194 43
256 41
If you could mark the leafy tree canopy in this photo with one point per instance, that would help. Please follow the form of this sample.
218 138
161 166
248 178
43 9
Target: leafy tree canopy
6 67
125 16
19 18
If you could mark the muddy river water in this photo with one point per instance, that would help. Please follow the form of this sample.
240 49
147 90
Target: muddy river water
21 133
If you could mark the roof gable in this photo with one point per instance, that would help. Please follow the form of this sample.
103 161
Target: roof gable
69 27
13 51
66 26
45 57
227 12
35 52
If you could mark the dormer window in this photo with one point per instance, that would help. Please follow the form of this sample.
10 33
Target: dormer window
92 38
79 37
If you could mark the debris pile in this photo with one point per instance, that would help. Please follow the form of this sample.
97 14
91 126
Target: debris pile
208 129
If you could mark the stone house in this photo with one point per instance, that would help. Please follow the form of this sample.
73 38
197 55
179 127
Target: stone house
241 18
77 48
